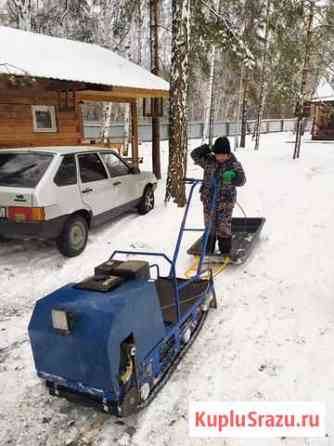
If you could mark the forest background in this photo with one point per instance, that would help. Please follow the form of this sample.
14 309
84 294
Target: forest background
274 32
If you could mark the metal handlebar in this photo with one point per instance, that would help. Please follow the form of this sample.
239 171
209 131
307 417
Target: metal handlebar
142 253
192 180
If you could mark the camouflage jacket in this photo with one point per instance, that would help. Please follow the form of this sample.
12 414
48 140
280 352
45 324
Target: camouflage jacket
203 157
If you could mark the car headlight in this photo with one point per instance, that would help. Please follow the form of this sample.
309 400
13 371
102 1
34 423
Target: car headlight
61 321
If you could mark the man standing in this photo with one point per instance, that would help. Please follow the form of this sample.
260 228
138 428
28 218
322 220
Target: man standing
222 168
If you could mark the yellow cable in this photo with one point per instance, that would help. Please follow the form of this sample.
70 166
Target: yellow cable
193 268
222 267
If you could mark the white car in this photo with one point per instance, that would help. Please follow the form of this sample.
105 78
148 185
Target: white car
59 193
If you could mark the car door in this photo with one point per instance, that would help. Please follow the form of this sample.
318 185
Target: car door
95 187
65 188
123 182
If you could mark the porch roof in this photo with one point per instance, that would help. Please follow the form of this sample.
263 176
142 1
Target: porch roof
41 56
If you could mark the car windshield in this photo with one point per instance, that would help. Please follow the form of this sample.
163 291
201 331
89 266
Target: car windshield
23 169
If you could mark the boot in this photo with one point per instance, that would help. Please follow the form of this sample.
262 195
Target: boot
210 247
225 245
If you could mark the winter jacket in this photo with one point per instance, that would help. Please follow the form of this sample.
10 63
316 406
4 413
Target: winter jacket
206 159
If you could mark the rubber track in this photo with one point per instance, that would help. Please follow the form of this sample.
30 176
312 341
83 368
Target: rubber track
176 362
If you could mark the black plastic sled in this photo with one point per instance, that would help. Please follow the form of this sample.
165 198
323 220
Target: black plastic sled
245 232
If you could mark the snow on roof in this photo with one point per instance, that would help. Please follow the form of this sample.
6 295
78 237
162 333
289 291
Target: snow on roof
325 92
38 55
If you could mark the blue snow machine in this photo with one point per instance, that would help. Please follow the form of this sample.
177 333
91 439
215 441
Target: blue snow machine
113 339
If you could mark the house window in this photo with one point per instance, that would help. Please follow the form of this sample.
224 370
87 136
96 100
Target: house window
44 118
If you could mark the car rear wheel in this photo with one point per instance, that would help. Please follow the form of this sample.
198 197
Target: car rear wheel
73 239
147 201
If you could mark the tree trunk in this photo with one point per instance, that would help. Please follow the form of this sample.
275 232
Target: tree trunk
244 110
126 128
238 111
209 109
154 40
178 134
126 131
301 99
22 10
139 20
25 15
101 39
263 85
106 121
249 19
210 106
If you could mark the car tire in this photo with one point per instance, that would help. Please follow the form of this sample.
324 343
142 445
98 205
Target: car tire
147 201
73 239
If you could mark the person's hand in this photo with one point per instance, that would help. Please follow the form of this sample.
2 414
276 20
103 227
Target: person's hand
205 148
228 176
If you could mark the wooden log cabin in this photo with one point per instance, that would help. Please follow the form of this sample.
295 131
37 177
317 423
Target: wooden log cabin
45 80
322 107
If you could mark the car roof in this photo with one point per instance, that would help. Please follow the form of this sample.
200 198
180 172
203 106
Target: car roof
61 150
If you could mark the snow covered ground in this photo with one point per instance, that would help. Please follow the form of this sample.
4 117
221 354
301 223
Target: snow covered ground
271 338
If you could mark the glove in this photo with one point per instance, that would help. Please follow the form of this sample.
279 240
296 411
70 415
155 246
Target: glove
228 176
204 149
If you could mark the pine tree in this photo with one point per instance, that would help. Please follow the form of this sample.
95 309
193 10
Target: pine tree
69 19
220 30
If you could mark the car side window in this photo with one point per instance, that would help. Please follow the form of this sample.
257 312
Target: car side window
67 172
91 168
115 166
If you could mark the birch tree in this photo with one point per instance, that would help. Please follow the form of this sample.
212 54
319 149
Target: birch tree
22 11
304 78
103 38
106 121
139 22
178 134
263 80
209 109
224 34
243 105
154 6
126 127
249 35
113 25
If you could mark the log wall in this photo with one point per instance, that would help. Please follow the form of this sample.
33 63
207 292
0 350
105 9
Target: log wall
16 119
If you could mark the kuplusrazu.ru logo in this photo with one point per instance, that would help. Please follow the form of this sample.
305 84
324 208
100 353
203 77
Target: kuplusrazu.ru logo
256 419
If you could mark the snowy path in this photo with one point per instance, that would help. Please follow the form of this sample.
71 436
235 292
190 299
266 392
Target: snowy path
271 338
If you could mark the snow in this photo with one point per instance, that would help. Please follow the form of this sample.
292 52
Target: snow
43 56
270 339
325 92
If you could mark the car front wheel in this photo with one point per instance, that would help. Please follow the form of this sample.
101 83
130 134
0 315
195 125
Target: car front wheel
73 239
147 201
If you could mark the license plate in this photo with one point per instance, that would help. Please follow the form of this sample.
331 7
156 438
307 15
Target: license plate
2 212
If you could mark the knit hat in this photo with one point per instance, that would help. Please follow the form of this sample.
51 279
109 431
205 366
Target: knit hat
222 145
